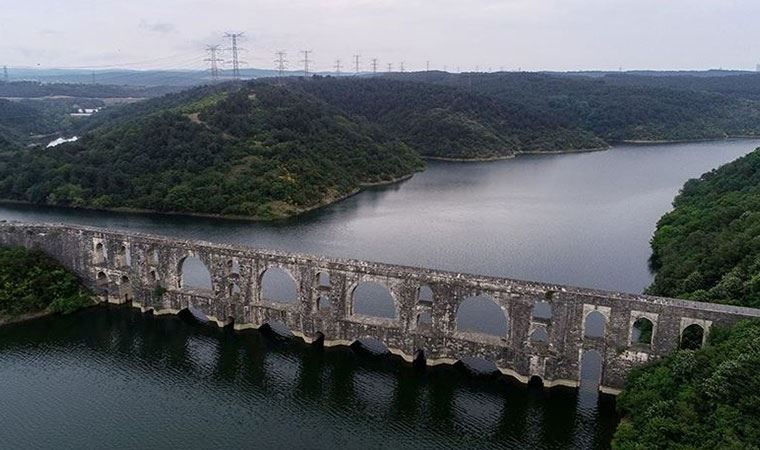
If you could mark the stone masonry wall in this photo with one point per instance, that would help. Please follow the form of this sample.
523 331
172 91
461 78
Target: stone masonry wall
127 267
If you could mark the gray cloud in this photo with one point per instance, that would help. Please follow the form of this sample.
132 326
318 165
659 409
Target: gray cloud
159 27
527 34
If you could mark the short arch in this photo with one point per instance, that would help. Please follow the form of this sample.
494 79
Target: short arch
323 279
478 365
540 334
481 314
102 277
373 299
193 274
542 309
235 290
424 318
122 256
323 303
99 255
425 294
692 337
594 325
371 345
536 381
153 256
153 275
277 285
642 331
233 265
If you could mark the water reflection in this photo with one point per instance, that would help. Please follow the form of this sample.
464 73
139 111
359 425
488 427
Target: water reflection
201 386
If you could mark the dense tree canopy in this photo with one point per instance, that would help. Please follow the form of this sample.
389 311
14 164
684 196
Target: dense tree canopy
697 399
259 150
708 247
616 111
448 122
31 281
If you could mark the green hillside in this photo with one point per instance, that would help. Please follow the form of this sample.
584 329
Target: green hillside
445 122
616 111
258 150
708 247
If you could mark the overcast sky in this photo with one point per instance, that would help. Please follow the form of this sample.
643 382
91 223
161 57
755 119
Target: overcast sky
508 34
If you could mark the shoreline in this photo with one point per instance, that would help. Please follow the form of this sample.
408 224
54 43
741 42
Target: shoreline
299 212
684 141
9 320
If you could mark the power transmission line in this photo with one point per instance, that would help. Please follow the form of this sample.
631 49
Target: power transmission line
390 67
337 66
374 65
5 74
401 66
356 63
427 66
281 62
213 59
306 61
235 61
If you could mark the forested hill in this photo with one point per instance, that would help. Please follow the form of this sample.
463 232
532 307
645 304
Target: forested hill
440 121
256 150
614 111
708 247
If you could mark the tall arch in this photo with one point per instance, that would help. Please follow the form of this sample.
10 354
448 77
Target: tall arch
373 299
277 285
591 369
193 274
481 314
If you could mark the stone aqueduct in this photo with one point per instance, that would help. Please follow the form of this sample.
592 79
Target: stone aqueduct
124 267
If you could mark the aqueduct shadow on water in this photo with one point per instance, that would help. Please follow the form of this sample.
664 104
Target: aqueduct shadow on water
528 329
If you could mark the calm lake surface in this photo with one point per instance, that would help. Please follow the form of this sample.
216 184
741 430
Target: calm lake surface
111 377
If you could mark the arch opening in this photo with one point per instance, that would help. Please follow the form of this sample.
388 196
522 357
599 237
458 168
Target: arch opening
371 345
99 256
481 314
641 332
153 275
542 310
323 303
125 289
594 325
540 334
123 256
153 256
591 370
194 274
233 265
478 366
425 294
102 278
424 318
278 329
235 290
535 381
193 314
278 286
373 299
323 279
692 337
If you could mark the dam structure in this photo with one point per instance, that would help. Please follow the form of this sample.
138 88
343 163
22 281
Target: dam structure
546 334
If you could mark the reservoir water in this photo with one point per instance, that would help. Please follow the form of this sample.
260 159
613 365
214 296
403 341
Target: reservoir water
111 377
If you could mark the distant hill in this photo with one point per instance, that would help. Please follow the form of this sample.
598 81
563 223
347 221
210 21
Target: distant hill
35 89
444 122
614 109
255 150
